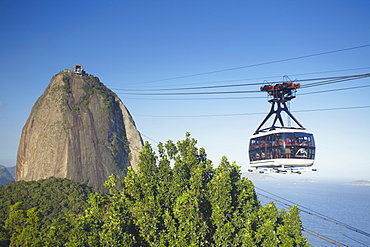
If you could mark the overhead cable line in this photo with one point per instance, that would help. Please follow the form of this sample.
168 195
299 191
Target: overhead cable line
334 230
310 212
336 80
124 142
196 116
248 114
194 88
248 97
319 215
198 93
336 109
147 137
213 98
327 239
286 205
251 79
334 90
249 84
319 82
124 131
257 64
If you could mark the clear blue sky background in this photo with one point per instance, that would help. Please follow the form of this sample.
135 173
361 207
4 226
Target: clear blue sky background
131 44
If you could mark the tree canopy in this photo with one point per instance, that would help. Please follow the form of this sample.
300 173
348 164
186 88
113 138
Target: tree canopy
48 199
177 198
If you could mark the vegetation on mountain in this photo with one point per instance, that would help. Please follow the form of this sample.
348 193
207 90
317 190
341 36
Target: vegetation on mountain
176 198
46 199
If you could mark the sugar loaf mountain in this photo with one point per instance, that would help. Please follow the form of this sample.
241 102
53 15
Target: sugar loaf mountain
80 130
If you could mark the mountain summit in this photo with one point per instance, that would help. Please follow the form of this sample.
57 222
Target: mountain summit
80 130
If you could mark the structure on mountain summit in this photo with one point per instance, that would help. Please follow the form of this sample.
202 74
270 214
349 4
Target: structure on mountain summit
78 69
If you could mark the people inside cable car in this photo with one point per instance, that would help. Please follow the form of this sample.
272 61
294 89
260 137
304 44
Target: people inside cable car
288 142
288 152
282 145
303 143
257 157
263 156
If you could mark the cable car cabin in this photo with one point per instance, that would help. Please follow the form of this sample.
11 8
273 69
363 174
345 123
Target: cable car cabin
282 150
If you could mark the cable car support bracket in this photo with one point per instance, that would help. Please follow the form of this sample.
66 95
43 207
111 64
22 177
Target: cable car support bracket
280 93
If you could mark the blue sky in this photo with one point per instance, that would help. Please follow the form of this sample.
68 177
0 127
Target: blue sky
136 45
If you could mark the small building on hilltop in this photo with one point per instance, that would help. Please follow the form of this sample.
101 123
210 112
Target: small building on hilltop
78 69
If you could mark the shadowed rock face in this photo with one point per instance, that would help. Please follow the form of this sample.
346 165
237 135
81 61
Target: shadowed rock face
80 130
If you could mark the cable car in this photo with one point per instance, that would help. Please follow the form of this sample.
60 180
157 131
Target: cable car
281 149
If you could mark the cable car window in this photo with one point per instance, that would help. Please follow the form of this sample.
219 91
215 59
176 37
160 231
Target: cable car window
296 145
304 146
304 139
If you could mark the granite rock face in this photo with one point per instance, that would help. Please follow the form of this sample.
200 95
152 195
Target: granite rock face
80 130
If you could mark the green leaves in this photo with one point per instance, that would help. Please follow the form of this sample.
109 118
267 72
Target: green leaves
175 199
23 226
289 230
179 199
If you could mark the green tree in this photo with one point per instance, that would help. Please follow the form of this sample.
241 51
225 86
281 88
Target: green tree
140 193
268 219
116 230
86 229
191 227
165 180
245 216
221 198
23 226
57 233
290 229
174 199
54 197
